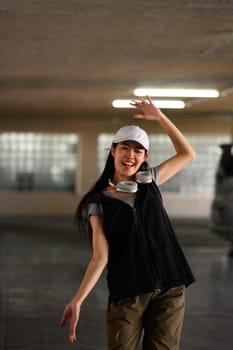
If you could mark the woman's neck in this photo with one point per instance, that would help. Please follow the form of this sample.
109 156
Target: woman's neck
117 179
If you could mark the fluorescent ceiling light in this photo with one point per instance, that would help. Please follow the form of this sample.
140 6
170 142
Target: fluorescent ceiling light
203 93
176 104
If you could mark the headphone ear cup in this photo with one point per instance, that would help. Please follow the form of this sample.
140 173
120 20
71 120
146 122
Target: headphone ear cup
143 177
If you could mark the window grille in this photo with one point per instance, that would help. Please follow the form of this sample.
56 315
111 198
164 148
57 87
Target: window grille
37 161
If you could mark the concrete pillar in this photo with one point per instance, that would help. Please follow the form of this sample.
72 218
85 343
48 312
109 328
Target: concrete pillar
87 160
232 127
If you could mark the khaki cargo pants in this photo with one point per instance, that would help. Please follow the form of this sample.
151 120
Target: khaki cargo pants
155 319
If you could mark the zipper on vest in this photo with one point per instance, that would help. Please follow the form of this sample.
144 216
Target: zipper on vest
147 259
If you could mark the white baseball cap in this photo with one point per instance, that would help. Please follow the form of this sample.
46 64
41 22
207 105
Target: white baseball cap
132 133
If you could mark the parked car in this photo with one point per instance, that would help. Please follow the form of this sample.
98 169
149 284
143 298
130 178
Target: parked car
222 205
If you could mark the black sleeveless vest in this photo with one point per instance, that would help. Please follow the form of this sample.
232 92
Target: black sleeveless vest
144 254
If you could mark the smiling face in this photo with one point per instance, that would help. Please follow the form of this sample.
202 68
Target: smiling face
128 157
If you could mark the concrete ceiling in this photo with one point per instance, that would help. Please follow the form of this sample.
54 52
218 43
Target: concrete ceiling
64 58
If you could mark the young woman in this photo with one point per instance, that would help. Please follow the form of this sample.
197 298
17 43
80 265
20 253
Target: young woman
131 234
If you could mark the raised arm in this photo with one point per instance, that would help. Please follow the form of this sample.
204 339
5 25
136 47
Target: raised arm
94 270
184 151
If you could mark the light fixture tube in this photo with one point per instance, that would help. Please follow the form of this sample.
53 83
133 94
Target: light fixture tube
173 104
202 93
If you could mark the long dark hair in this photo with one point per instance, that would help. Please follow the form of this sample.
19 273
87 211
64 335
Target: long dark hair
81 215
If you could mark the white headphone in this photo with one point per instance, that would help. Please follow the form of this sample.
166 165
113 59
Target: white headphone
142 177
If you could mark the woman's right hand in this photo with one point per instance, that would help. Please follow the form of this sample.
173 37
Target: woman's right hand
92 275
71 312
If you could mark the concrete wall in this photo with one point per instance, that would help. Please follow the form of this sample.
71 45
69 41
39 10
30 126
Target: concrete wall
65 203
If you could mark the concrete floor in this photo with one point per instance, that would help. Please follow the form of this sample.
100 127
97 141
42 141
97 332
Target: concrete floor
41 265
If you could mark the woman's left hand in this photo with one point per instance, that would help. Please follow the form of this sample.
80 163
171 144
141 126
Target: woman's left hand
150 111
